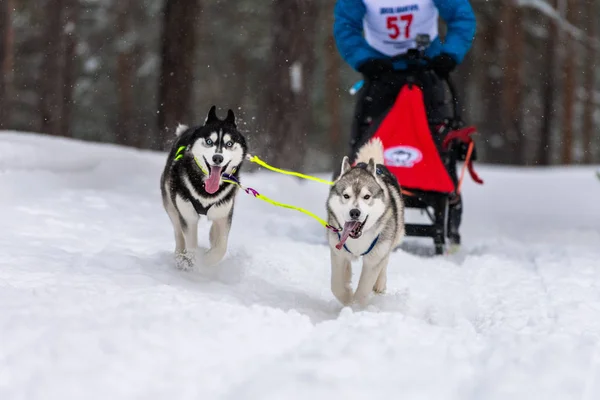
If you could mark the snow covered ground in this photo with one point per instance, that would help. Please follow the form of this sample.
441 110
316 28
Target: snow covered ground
91 306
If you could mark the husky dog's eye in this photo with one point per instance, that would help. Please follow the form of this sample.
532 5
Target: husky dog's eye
346 196
367 196
209 142
229 144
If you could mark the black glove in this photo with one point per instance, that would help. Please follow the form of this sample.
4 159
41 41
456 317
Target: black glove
443 64
376 68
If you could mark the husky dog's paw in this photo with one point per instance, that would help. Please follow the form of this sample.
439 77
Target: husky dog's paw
380 286
361 301
381 283
344 295
212 257
185 260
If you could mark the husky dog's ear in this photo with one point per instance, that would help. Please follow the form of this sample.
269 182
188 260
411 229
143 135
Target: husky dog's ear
180 129
230 117
371 167
212 116
345 165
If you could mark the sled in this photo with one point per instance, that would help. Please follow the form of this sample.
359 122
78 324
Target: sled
420 157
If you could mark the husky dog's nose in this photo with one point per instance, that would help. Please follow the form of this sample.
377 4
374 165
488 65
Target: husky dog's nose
217 159
354 213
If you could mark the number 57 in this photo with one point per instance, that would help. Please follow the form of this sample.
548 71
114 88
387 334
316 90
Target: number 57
392 23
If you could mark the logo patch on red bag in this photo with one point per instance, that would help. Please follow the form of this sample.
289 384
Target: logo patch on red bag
402 156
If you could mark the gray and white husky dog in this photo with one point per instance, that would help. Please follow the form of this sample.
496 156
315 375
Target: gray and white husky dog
192 185
366 202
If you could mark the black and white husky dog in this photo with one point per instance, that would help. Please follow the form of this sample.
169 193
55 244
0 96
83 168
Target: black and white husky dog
192 185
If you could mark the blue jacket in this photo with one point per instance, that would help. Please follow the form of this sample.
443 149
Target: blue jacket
354 49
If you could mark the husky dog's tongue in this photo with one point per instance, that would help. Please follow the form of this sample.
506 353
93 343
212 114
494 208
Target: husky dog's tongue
349 227
212 183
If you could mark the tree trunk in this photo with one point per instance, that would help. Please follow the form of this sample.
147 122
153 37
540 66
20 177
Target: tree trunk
286 113
6 61
590 86
69 76
51 73
332 97
513 40
549 87
180 20
126 128
240 66
490 86
569 86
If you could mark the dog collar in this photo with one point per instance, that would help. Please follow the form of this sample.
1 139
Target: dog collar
366 252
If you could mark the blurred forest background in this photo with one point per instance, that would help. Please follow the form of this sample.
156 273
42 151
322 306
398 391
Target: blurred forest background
127 71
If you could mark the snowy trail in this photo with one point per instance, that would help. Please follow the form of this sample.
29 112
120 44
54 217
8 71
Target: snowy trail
91 306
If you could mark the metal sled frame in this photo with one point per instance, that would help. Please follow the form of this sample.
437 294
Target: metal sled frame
439 227
439 202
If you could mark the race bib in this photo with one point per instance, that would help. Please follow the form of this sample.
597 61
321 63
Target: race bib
391 26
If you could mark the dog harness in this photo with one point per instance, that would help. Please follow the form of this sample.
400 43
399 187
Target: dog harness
366 252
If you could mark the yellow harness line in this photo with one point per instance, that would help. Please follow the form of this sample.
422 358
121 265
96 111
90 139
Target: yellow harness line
260 162
279 204
232 180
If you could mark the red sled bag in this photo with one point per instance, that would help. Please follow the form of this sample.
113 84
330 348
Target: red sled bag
410 153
